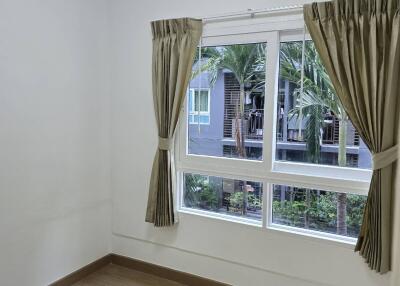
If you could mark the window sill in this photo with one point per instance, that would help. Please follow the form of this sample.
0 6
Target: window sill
309 235
219 216
348 241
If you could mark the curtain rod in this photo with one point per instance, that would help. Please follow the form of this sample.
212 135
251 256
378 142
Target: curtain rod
251 13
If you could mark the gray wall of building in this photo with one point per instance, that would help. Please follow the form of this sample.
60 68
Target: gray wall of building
205 139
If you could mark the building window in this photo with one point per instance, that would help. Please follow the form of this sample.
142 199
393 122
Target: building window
199 106
280 153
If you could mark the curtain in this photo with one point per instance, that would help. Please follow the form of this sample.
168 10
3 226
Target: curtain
359 45
395 276
174 47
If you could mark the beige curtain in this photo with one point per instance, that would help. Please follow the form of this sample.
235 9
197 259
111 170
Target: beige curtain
395 276
359 44
174 47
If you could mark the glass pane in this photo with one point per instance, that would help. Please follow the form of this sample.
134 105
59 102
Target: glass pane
222 195
312 126
234 76
196 101
205 119
204 101
194 119
318 210
190 101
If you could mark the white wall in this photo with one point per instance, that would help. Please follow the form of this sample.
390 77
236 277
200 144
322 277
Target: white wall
55 159
54 133
228 252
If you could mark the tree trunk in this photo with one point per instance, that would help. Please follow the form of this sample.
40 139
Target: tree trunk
283 196
342 197
241 142
308 206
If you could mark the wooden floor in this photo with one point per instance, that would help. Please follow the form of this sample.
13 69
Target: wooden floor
114 275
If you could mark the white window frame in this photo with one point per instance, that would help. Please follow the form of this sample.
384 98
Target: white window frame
192 92
273 29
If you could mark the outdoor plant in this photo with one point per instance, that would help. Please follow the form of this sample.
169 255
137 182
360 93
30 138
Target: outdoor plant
208 197
317 98
236 202
200 193
193 184
247 63
319 212
289 213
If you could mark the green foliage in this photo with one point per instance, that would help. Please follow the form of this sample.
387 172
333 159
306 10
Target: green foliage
244 61
289 212
355 210
200 193
318 97
193 184
236 202
320 210
209 198
206 193
314 125
323 211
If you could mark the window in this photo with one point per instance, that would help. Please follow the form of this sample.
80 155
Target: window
199 106
317 210
224 196
235 79
279 152
312 126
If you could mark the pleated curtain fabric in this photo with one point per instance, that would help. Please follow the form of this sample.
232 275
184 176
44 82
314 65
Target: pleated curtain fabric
174 46
359 45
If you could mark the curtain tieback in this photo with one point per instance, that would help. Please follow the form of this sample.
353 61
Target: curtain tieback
385 158
165 143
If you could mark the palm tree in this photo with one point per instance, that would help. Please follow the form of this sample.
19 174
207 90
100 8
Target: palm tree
247 63
316 99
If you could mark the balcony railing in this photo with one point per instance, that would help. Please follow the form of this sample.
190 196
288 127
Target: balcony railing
330 133
253 124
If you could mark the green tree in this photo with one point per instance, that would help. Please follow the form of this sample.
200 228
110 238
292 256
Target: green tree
193 184
316 99
200 193
236 202
247 63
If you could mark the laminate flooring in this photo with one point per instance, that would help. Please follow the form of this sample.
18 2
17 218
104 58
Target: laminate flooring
115 275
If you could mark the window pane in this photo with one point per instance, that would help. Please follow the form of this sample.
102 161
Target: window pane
190 101
312 126
204 101
225 196
318 210
196 101
235 77
205 119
